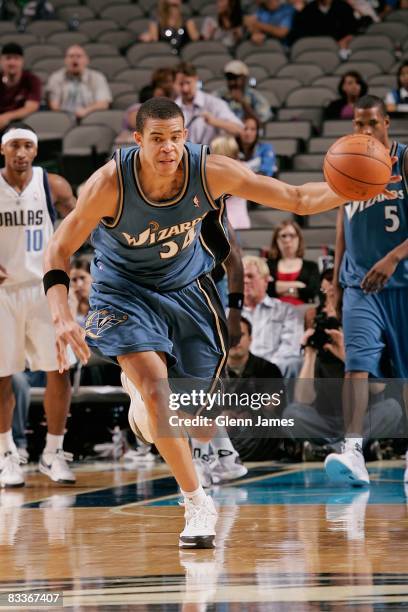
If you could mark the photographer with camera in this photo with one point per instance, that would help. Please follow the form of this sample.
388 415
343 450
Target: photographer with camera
317 407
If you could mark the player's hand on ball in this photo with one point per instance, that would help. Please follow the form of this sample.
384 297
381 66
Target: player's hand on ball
379 274
394 179
70 333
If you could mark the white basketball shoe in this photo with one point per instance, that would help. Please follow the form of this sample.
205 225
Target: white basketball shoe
199 530
11 474
55 466
137 416
347 467
228 466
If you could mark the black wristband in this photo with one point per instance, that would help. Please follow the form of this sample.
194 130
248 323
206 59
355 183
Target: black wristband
236 300
55 277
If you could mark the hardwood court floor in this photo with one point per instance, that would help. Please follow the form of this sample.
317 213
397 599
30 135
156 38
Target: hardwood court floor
286 541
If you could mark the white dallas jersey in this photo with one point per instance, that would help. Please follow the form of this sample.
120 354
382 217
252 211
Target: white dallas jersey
26 225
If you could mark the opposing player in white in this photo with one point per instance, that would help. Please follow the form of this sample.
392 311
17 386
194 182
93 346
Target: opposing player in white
27 199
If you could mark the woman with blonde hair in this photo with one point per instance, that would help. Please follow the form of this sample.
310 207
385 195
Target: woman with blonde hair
171 26
294 279
237 209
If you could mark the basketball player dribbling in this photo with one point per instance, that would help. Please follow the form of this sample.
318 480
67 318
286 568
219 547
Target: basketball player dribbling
372 267
27 199
153 305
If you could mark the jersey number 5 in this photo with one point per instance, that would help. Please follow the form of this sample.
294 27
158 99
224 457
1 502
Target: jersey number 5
173 248
392 221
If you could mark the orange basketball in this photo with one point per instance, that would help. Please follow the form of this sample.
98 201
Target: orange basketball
357 167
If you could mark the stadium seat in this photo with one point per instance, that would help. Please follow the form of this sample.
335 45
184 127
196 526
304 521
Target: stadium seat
100 50
141 50
214 62
84 149
120 87
313 43
288 129
110 66
281 87
272 98
202 47
326 60
313 96
379 90
138 78
111 118
50 124
213 84
336 127
382 57
380 41
121 13
284 147
326 219
121 39
8 27
267 217
367 69
204 74
147 6
49 65
98 5
400 16
138 26
75 11
93 28
158 61
42 29
22 38
305 73
302 113
329 81
394 30
258 73
124 100
320 144
308 162
66 39
272 62
208 9
387 80
33 53
248 48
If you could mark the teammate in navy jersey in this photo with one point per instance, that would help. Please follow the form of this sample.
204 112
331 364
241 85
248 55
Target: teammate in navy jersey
154 307
372 267
27 199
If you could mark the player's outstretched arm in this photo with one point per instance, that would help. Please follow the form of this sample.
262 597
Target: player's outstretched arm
225 175
98 199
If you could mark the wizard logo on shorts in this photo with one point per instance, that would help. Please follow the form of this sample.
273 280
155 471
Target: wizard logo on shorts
101 321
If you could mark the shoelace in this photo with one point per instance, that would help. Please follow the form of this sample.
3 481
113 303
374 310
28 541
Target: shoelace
64 455
199 515
16 459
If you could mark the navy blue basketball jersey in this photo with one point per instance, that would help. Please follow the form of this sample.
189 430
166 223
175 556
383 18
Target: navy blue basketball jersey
374 227
162 245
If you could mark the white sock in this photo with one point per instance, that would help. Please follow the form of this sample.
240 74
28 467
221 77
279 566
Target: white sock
222 442
53 443
197 496
352 440
7 443
199 449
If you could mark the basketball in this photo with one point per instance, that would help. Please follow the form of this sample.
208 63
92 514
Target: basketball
357 167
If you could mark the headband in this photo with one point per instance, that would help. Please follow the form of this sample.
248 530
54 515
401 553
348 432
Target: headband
19 133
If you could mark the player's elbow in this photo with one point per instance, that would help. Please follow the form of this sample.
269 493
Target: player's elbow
301 202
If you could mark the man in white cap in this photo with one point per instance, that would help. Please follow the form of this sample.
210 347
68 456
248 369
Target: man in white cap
244 101
28 200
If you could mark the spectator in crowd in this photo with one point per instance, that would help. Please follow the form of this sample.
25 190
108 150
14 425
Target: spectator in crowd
171 26
351 88
259 156
228 26
243 100
333 18
277 327
293 279
20 90
76 88
273 19
81 280
317 408
205 115
397 99
249 374
237 208
163 84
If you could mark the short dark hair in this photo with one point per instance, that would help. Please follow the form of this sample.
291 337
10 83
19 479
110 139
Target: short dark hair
157 108
248 324
81 263
186 68
371 102
12 48
18 125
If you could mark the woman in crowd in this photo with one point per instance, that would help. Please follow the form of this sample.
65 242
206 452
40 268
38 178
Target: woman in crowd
351 87
294 279
237 209
81 280
259 156
397 99
227 27
171 26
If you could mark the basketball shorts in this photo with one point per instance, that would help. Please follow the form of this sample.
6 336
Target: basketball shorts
187 324
375 325
27 336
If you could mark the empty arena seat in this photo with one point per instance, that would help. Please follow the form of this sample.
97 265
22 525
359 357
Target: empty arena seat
94 27
313 43
42 29
308 162
326 60
367 69
121 39
110 66
280 86
272 62
320 144
141 50
310 96
284 147
136 77
248 48
288 129
111 118
123 100
98 49
305 73
382 57
299 178
65 13
121 13
66 39
379 41
337 127
156 61
302 113
33 53
329 81
394 30
202 47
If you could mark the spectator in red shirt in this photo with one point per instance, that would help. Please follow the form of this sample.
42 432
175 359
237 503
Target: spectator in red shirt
20 90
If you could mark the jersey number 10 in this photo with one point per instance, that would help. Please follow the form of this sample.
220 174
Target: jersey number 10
34 240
